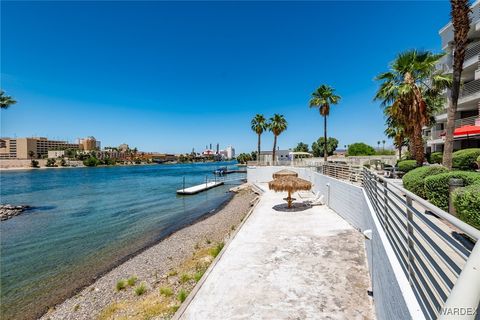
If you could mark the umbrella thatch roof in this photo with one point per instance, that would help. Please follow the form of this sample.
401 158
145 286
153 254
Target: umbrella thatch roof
290 184
284 173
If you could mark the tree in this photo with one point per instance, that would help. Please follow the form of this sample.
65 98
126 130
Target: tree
322 98
360 149
34 163
51 163
277 125
318 147
398 135
461 27
259 125
383 145
244 157
301 147
31 154
6 101
378 144
412 92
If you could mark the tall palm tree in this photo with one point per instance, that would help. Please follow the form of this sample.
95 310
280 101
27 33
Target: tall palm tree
378 145
412 91
277 125
322 98
6 101
383 145
461 25
259 125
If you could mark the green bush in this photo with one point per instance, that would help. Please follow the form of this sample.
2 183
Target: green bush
51 163
436 157
467 204
436 187
360 149
465 159
414 180
34 164
407 165
91 162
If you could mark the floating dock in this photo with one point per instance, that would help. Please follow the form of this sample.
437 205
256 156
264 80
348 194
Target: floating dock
200 187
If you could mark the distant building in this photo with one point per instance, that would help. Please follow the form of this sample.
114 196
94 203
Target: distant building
56 153
208 152
123 147
230 152
89 144
280 155
27 148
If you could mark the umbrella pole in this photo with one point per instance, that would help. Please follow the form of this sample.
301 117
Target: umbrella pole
289 199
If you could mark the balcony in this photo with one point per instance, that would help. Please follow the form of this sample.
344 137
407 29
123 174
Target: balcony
446 33
469 89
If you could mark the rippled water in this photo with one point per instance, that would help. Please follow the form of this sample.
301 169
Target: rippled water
86 220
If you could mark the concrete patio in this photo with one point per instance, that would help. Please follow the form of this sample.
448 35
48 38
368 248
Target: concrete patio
303 264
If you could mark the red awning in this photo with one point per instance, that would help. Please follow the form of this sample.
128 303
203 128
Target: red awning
467 130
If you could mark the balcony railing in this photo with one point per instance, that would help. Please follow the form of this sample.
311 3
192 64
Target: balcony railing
470 88
439 264
472 50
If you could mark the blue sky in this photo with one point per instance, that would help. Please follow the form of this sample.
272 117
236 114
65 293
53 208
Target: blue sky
169 76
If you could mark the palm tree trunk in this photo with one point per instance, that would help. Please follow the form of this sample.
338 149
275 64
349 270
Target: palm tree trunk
400 153
449 130
274 148
325 137
258 149
418 144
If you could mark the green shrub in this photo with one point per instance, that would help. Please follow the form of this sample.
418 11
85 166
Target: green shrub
360 149
182 295
51 163
185 278
436 157
467 204
141 289
91 162
34 164
121 284
166 291
407 165
414 180
198 275
465 159
436 187
131 281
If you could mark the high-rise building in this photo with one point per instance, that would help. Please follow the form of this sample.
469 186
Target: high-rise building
89 144
467 120
230 152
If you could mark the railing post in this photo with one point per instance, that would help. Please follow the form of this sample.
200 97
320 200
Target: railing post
385 203
410 240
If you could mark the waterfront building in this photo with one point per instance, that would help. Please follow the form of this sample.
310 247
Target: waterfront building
230 152
280 155
27 148
89 144
467 120
123 147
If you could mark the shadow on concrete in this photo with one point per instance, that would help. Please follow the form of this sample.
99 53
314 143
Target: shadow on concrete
295 207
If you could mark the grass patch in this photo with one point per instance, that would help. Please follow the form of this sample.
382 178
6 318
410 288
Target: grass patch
216 250
141 289
198 275
182 295
172 273
110 311
77 306
166 291
185 278
232 227
132 280
174 308
121 284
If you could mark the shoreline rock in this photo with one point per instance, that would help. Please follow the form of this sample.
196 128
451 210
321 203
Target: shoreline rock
8 211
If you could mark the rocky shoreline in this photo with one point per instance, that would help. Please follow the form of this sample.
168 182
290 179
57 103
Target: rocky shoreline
164 265
8 211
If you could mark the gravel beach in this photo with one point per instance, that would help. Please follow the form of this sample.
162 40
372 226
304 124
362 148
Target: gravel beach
152 266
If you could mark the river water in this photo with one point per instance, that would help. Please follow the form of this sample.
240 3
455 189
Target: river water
85 221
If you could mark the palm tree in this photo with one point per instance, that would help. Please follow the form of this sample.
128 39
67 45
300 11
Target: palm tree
277 125
6 101
383 145
412 92
378 145
322 98
259 125
461 26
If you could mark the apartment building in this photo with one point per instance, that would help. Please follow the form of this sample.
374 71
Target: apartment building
27 148
467 123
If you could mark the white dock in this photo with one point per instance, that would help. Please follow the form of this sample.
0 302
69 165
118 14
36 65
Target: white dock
200 187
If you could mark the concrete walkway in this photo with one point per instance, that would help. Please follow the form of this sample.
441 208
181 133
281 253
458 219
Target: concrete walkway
306 264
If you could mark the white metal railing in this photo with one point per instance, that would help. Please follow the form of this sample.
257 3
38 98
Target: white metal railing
442 270
468 121
470 88
342 171
472 50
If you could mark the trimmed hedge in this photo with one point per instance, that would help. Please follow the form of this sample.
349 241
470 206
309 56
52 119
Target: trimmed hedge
467 204
465 159
436 187
436 157
414 180
407 165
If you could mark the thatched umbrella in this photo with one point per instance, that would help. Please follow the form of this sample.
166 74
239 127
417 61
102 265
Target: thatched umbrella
289 184
284 173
